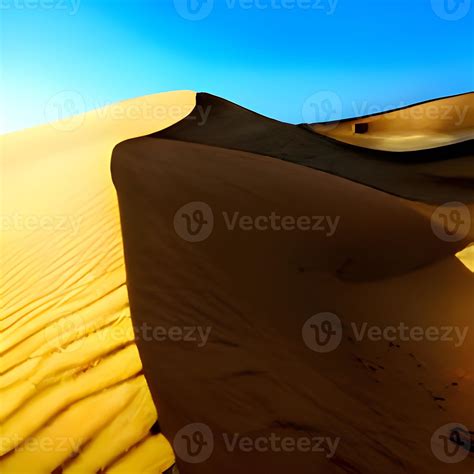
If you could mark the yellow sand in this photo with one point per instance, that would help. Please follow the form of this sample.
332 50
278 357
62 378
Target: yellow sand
71 393
429 125
467 257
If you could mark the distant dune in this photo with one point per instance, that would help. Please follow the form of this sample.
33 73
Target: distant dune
74 396
423 126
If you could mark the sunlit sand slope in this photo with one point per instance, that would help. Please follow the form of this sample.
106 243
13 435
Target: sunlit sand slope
422 126
71 388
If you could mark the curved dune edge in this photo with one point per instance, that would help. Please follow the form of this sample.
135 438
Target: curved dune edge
71 388
430 124
433 176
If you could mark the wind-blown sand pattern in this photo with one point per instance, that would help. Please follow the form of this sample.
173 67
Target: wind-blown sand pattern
71 388
74 397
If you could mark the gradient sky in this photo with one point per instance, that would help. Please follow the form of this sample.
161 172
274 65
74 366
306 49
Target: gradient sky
268 55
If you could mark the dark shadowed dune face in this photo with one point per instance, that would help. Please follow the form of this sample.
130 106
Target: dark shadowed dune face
420 175
238 258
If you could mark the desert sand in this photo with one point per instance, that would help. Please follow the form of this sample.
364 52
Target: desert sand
436 175
427 125
70 374
78 395
255 290
467 257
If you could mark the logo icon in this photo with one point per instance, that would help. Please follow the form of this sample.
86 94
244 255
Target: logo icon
322 332
65 111
451 443
324 106
194 10
451 222
194 222
451 10
66 334
194 443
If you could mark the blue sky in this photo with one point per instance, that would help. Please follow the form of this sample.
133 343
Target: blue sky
268 55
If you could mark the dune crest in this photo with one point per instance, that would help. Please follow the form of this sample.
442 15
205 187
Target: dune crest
435 176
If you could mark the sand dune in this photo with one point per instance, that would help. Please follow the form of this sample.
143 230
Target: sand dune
70 383
74 397
255 291
435 175
427 125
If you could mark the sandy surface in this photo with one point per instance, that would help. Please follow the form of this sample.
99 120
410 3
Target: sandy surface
428 125
255 290
74 395
433 175
71 388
